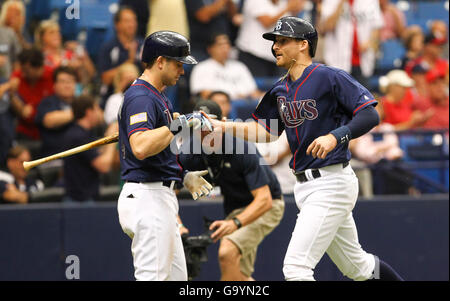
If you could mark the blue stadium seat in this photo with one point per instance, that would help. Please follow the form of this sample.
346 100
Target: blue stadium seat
392 51
428 10
265 83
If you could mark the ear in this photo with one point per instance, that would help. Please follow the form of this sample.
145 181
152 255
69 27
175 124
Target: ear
160 62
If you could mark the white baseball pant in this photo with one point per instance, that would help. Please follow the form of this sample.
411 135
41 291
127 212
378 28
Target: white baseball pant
148 214
325 224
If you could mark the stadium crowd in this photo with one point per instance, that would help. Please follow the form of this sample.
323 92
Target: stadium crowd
56 92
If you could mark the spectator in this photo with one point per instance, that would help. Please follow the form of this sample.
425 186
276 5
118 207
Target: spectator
141 8
7 118
13 15
379 153
15 185
223 100
125 47
168 15
82 171
260 16
394 21
219 72
207 17
352 30
35 83
398 102
420 89
413 40
439 29
125 75
432 56
436 102
48 38
9 50
54 114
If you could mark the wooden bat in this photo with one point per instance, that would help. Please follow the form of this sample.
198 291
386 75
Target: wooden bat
27 165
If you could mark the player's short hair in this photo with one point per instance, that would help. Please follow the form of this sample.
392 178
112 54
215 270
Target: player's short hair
33 56
81 104
213 38
64 69
121 9
209 107
15 151
212 94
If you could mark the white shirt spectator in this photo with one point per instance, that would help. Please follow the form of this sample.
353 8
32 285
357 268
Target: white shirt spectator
112 106
251 30
233 78
338 43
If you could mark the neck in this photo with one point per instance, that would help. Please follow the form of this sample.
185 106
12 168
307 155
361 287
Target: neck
298 67
84 123
123 38
153 79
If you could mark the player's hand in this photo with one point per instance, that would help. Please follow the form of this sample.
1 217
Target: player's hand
183 230
321 146
196 184
216 124
222 228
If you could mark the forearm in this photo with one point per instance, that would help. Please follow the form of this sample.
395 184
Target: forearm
149 143
57 118
15 196
257 208
330 23
104 162
207 12
268 21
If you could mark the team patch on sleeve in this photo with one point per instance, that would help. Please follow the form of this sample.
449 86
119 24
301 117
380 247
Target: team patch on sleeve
136 118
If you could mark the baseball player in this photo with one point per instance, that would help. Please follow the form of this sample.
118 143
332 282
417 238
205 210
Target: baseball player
321 108
147 204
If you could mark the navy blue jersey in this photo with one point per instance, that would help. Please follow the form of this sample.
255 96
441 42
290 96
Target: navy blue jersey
236 174
81 179
321 100
51 138
143 109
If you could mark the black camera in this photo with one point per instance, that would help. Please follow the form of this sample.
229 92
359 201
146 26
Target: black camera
195 249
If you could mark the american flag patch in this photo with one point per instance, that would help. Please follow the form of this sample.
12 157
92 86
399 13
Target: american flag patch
136 118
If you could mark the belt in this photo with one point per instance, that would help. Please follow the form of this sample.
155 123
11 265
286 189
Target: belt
172 184
301 175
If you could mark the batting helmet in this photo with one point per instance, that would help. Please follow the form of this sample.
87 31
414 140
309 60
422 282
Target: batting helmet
167 44
297 28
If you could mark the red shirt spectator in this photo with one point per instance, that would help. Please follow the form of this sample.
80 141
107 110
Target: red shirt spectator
437 102
36 82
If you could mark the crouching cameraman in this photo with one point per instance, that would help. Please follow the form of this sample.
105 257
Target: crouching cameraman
253 202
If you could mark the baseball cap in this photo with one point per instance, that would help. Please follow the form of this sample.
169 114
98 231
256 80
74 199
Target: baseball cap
398 77
209 107
420 68
435 39
434 74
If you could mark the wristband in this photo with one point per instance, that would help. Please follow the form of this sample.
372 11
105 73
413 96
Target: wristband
342 134
237 222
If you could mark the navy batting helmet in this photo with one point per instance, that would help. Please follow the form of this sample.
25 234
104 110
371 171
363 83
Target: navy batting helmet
167 44
297 28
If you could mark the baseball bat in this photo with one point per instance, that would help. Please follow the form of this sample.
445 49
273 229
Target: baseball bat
27 165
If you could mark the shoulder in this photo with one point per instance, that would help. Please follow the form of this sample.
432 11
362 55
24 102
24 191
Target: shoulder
329 71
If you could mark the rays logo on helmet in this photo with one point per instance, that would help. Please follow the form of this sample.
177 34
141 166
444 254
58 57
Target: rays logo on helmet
295 112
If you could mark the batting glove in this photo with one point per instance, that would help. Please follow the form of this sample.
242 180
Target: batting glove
196 184
193 120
